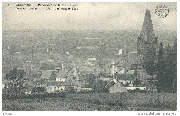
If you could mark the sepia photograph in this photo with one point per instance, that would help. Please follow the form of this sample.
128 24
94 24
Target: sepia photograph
89 56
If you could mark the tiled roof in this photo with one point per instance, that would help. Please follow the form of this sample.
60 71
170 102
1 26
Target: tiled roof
46 74
62 73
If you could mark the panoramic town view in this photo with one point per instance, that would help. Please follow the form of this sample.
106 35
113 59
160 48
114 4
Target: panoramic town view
88 61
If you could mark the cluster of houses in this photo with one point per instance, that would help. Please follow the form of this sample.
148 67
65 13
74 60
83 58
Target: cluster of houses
126 80
118 80
55 77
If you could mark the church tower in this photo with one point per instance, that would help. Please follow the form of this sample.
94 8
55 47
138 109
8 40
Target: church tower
147 42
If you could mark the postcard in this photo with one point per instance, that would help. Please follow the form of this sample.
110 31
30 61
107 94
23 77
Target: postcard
94 56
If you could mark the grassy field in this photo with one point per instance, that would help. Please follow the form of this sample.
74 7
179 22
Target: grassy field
96 101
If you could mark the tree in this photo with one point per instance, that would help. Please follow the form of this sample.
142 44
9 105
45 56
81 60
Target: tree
91 79
39 90
175 66
99 86
171 61
148 64
16 80
149 61
167 69
160 69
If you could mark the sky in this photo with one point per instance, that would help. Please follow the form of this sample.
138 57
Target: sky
89 16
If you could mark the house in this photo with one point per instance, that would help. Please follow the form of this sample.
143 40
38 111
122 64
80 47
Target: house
130 81
114 86
117 88
117 69
54 86
61 75
67 85
125 79
64 79
120 70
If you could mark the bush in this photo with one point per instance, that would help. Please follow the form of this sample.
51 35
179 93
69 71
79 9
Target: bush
96 101
59 94
38 90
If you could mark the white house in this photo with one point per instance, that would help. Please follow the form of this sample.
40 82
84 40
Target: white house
54 88
116 69
65 79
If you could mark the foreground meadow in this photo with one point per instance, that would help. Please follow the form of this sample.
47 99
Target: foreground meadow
96 101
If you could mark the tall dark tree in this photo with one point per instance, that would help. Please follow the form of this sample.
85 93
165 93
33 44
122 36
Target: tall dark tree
175 66
147 45
167 69
16 80
149 65
149 61
160 69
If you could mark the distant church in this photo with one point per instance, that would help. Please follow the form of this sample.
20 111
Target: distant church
147 42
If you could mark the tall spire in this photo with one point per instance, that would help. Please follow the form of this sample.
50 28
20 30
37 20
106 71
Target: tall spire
147 32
